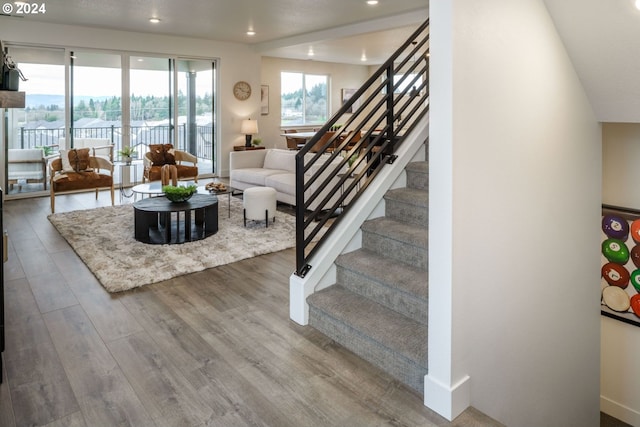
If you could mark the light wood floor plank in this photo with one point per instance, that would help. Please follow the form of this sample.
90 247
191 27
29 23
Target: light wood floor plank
6 406
170 399
40 390
103 392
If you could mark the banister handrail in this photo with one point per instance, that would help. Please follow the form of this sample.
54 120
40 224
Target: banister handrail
378 116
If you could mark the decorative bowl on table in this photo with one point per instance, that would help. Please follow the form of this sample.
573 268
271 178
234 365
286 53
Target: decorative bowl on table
215 187
179 194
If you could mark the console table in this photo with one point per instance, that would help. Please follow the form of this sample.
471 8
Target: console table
159 221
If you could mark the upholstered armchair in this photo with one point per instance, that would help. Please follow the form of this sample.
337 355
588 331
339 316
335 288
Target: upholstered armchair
164 154
80 172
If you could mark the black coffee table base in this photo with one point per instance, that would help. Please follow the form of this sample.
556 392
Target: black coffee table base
159 221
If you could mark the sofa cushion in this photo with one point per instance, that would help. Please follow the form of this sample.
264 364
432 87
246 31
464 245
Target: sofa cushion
280 159
282 182
80 181
254 176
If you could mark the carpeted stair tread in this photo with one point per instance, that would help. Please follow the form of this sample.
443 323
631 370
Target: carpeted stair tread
420 167
403 277
397 230
395 332
411 196
418 175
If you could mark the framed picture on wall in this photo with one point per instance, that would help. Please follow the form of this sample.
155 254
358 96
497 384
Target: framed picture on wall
264 100
620 264
346 95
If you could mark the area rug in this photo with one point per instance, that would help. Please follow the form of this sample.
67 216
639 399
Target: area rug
103 238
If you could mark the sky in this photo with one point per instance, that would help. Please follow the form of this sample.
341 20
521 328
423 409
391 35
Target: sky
49 80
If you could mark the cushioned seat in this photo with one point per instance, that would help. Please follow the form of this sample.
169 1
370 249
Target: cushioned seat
259 204
81 172
164 154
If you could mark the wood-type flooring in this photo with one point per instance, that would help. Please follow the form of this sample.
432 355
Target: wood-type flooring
214 348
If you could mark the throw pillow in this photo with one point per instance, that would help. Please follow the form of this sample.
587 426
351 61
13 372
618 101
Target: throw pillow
79 159
169 155
66 164
156 152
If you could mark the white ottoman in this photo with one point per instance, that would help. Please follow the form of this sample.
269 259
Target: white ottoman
259 204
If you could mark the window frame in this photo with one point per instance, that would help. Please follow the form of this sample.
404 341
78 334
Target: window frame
304 121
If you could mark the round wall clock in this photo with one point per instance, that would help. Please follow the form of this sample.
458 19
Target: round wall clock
242 90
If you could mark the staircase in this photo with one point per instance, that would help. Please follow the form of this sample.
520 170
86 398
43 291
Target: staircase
378 307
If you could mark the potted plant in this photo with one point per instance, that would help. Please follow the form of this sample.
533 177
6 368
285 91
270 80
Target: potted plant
257 141
127 154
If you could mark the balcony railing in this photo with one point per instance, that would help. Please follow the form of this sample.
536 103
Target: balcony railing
141 136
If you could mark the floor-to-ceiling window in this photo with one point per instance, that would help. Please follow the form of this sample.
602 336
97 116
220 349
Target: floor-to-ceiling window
166 100
33 132
195 108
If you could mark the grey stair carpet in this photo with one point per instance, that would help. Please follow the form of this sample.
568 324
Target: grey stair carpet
408 205
399 287
418 175
378 307
379 335
396 239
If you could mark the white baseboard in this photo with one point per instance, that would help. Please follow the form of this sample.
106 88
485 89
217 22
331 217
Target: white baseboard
448 401
619 411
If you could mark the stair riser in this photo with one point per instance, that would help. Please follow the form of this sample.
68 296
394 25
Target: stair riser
401 302
418 180
406 212
395 249
397 366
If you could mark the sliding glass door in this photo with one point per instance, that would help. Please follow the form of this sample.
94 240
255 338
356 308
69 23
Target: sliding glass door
125 100
195 110
32 133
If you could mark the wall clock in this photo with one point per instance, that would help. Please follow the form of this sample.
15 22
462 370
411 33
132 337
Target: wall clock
242 90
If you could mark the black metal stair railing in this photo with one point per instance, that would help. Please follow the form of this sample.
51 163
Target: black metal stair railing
332 172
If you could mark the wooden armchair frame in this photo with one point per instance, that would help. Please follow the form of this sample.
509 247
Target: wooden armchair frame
180 156
99 176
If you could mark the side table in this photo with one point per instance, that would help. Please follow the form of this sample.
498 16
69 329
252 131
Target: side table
130 167
244 148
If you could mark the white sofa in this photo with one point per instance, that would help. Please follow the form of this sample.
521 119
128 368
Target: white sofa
277 169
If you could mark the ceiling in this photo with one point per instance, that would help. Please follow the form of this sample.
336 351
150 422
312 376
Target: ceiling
602 37
603 41
335 30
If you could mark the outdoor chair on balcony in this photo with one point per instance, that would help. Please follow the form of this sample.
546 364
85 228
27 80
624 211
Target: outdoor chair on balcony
26 166
80 171
100 147
164 154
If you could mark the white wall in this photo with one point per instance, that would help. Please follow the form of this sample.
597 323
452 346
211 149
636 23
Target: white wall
620 370
342 76
515 140
237 62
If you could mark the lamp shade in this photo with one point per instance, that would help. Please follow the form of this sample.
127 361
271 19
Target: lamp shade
249 127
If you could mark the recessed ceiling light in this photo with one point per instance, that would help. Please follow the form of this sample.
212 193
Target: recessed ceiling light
310 53
363 58
251 33
154 20
372 2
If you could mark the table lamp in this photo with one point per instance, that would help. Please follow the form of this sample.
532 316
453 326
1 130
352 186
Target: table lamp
249 127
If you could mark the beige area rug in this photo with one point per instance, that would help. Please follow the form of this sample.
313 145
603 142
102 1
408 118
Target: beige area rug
103 238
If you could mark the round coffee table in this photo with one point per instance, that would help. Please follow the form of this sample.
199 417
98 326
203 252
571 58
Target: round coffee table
159 221
149 188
